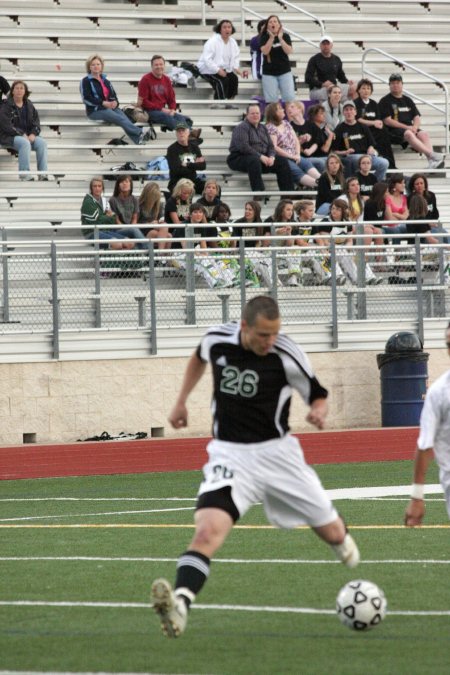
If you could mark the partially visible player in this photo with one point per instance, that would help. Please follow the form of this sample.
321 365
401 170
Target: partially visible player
434 435
252 457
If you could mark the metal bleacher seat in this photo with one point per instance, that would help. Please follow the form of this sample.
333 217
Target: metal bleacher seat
46 44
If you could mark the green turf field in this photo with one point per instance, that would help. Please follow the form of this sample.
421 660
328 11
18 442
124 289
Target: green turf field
78 555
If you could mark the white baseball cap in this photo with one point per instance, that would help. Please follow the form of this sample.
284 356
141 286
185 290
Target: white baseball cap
326 38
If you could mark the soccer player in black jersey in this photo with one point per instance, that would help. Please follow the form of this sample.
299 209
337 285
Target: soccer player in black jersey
252 457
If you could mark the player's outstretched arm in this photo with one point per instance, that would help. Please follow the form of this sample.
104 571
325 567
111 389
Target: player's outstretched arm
318 412
178 418
415 511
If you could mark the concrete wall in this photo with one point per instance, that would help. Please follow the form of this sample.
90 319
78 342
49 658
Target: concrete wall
67 401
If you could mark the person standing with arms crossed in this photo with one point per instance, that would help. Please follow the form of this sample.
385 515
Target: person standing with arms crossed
252 457
434 436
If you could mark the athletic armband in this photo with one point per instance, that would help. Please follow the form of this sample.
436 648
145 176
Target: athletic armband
417 491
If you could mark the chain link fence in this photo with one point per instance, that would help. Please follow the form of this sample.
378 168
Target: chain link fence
75 286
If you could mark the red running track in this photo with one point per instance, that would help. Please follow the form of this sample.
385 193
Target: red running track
116 457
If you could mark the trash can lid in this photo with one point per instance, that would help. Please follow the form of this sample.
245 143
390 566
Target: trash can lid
404 341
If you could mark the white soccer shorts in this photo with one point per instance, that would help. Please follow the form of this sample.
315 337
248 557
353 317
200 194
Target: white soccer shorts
274 473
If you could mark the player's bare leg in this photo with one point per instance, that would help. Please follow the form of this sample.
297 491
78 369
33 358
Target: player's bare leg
342 543
172 605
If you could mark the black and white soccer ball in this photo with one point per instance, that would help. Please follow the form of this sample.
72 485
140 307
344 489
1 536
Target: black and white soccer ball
361 605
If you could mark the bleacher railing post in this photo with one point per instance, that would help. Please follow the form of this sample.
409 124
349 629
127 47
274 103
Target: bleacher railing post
97 288
242 271
152 296
334 312
419 287
190 277
5 280
274 289
361 301
55 301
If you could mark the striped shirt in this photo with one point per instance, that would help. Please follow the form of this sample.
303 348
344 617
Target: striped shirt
252 394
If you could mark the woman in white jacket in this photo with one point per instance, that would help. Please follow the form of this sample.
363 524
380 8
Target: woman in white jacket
219 63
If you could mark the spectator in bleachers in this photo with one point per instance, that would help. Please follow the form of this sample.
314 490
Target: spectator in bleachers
4 88
95 211
396 205
331 184
219 64
20 129
252 151
156 95
418 184
352 196
341 229
249 225
215 273
125 206
276 47
210 196
287 144
151 212
185 159
282 221
354 139
101 101
402 117
418 210
325 69
368 113
365 176
375 206
315 139
314 260
255 51
333 107
177 209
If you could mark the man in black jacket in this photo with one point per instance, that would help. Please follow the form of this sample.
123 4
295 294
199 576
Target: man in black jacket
185 159
325 69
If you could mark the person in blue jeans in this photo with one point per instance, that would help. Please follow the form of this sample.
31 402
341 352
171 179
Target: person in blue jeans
20 129
102 103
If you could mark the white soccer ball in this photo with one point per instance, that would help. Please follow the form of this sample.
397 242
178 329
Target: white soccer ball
361 605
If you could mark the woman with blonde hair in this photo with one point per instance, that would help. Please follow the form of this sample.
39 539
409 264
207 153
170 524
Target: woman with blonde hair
102 103
151 211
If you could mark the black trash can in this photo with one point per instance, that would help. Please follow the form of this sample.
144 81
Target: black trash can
404 374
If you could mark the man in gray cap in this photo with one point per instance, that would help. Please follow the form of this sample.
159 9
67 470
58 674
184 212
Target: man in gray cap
325 69
402 118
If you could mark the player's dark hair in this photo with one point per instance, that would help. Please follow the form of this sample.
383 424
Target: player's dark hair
218 27
262 305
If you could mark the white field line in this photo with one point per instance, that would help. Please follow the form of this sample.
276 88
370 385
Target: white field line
103 513
225 608
97 499
341 493
73 672
227 561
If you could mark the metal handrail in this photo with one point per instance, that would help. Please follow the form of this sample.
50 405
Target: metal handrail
365 71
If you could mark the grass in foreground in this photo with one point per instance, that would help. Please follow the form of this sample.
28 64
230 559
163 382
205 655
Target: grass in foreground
218 641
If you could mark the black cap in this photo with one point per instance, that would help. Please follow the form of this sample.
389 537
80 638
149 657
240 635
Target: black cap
181 125
395 77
